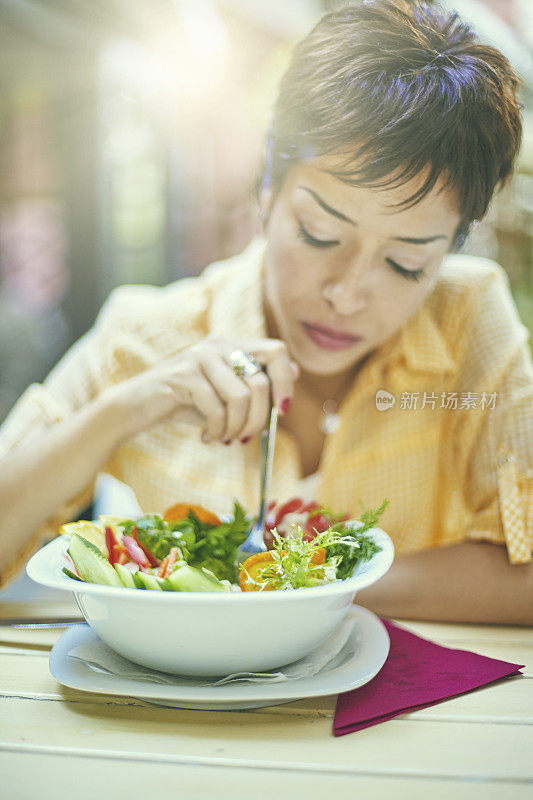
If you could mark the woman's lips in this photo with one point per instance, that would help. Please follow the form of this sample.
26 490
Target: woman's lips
329 339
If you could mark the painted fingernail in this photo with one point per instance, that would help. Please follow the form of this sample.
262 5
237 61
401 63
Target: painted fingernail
226 441
285 405
245 440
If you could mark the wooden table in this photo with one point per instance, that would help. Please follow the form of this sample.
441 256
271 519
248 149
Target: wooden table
59 743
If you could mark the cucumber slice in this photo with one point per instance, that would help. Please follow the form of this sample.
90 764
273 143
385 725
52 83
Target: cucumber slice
139 583
72 575
126 576
149 581
91 563
190 579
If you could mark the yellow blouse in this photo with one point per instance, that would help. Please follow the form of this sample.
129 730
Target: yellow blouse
439 419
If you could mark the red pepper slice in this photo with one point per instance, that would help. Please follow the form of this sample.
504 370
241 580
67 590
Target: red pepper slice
290 507
111 544
311 506
275 516
268 538
154 562
317 523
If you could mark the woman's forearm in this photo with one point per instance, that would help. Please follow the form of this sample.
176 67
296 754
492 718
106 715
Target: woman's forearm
39 477
469 582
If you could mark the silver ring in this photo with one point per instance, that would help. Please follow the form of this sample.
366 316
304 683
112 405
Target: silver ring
243 364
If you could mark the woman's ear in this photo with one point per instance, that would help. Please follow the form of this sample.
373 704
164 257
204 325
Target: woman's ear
461 235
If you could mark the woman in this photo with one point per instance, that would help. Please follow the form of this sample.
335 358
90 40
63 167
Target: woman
392 129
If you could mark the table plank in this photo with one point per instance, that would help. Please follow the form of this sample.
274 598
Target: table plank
445 632
121 779
27 675
59 608
29 638
267 740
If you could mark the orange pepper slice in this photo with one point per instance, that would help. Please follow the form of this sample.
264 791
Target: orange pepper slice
319 556
253 565
180 511
250 569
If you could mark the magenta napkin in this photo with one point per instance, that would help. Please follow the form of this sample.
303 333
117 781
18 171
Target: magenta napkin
417 674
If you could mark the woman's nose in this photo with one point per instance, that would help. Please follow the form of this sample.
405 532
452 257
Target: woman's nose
349 293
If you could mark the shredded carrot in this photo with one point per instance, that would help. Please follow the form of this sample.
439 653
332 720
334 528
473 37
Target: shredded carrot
76 570
123 556
162 569
172 558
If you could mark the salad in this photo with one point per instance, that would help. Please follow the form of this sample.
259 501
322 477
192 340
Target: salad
191 549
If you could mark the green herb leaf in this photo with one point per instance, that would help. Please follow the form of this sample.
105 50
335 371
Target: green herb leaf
216 546
160 536
357 546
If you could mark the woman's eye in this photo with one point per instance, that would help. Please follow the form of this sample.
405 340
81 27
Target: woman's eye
308 239
410 274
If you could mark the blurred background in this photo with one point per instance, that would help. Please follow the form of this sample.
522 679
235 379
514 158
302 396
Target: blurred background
132 133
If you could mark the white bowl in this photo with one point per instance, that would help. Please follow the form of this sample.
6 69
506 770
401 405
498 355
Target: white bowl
208 634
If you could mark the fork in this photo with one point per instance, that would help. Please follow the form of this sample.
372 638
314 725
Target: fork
255 542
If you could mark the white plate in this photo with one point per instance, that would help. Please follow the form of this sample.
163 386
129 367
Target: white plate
370 654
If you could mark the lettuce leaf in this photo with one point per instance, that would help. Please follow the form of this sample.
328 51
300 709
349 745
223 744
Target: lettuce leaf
160 536
201 544
216 546
361 548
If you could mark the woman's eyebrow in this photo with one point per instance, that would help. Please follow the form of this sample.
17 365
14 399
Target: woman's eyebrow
333 211
322 203
414 240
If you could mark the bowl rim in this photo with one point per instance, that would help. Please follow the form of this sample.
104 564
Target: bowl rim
45 565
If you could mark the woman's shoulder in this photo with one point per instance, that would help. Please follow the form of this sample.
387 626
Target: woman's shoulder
473 306
470 286
464 274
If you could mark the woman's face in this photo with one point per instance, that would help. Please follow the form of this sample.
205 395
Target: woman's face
344 268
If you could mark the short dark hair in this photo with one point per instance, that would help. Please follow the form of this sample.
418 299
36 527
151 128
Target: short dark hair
403 88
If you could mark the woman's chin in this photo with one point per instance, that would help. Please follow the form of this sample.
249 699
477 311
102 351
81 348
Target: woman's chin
324 363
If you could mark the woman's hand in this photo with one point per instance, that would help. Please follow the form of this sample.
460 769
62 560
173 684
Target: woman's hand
199 385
